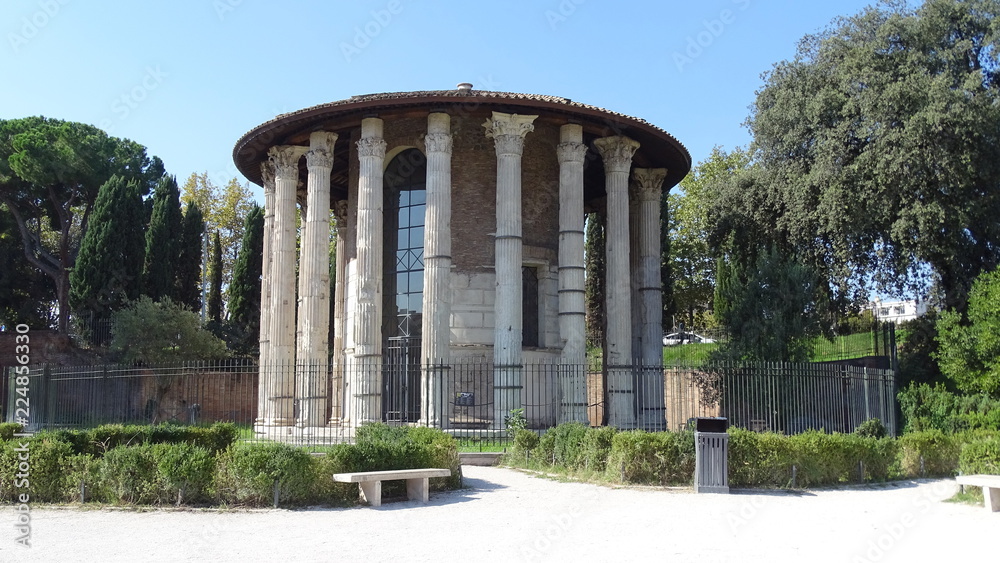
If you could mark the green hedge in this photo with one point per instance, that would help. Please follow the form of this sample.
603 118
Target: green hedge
97 441
982 456
927 408
246 474
381 447
755 459
659 458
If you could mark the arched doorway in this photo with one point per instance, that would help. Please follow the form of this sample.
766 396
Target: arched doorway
403 284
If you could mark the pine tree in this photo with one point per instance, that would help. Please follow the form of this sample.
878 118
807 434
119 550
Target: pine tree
594 286
215 282
109 264
163 241
188 281
244 291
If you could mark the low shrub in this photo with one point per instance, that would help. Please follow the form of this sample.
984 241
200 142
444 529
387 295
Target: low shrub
246 474
939 452
759 459
381 447
128 474
525 441
871 428
927 407
595 447
654 458
8 429
184 471
44 460
980 457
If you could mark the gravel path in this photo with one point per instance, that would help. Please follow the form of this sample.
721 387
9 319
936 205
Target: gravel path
506 515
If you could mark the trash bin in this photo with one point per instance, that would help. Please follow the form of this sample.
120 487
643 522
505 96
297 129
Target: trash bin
711 465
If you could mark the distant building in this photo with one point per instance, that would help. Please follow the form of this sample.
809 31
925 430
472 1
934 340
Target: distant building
898 311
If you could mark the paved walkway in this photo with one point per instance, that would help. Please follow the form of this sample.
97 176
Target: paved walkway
509 516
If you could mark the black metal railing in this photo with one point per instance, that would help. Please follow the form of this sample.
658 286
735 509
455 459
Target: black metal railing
474 400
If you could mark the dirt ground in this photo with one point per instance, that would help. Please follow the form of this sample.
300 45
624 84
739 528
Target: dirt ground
504 515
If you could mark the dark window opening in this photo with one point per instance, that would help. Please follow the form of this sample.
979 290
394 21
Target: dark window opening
529 307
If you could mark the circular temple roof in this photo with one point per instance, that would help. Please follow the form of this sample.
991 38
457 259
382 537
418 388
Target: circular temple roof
658 149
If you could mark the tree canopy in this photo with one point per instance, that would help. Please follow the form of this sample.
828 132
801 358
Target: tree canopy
108 271
875 151
692 257
969 352
50 174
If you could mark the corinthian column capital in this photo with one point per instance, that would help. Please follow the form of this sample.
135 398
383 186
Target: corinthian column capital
649 182
320 149
571 152
267 176
340 211
438 142
285 160
508 130
371 147
617 152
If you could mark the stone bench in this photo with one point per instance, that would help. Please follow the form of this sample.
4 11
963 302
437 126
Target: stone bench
990 485
370 482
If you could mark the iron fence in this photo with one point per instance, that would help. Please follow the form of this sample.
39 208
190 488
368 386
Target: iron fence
476 401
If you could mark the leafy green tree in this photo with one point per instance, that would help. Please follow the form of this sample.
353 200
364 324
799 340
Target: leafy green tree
594 284
773 315
163 240
244 291
24 290
188 280
50 174
157 332
878 144
215 282
108 270
692 257
225 210
969 349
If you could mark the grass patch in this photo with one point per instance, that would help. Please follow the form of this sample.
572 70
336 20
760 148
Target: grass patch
972 496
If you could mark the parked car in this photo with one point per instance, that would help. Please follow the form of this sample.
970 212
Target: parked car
675 338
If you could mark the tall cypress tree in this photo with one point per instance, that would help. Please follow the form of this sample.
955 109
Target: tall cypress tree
163 241
109 264
594 286
666 271
215 282
244 291
188 281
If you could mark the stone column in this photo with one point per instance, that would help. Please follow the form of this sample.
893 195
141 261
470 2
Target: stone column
617 154
264 372
285 160
508 132
435 354
652 414
312 357
365 370
339 314
571 153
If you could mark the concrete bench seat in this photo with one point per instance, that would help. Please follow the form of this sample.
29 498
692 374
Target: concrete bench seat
370 482
990 485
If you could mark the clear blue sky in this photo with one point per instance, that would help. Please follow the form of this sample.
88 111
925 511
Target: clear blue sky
187 78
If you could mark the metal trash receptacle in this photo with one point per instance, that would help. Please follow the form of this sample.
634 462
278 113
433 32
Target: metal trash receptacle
711 465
